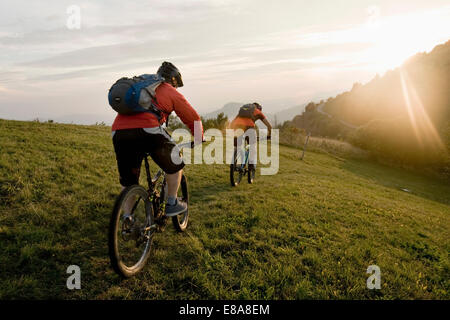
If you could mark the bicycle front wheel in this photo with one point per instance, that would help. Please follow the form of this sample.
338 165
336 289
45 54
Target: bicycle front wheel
180 221
131 231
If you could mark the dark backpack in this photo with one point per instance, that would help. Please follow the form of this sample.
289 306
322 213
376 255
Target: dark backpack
247 110
134 95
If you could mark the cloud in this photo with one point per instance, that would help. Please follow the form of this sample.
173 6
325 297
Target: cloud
235 49
101 55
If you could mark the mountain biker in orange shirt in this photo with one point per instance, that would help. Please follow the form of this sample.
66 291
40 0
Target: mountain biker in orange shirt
245 120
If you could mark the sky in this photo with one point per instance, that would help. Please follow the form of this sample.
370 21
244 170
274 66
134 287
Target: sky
59 58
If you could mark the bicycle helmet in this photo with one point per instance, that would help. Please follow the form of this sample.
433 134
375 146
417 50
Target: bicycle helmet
258 106
168 71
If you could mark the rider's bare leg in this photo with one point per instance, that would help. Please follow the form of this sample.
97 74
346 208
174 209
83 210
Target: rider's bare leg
173 182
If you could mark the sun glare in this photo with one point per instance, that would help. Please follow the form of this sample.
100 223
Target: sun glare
395 39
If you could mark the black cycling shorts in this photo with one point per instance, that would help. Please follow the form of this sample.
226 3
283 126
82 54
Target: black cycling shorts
246 134
131 145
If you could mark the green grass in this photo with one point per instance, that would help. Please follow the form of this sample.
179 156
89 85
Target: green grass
309 232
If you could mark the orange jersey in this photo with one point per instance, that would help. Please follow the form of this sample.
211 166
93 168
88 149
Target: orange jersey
169 99
244 123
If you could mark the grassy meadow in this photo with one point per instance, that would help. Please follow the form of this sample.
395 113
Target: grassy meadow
309 232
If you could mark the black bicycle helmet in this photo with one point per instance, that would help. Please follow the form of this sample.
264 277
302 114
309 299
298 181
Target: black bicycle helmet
258 106
168 71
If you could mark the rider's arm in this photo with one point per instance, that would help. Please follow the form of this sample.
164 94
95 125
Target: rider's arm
186 112
260 116
269 127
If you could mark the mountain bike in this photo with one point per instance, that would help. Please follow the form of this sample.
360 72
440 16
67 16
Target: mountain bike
239 168
137 215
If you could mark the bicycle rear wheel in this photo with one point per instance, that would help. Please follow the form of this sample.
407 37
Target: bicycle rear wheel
236 170
131 231
251 174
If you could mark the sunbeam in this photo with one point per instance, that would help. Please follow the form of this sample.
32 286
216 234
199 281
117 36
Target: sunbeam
420 121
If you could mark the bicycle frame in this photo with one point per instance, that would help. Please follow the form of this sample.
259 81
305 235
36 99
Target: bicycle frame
151 182
247 152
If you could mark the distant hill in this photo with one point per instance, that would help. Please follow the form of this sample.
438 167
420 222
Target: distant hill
230 110
287 114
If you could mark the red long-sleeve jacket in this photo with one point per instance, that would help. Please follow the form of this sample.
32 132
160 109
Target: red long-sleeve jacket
169 99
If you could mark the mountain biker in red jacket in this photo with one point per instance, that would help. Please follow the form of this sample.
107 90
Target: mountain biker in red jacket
134 135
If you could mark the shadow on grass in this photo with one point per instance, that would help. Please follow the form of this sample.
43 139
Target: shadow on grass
203 188
400 179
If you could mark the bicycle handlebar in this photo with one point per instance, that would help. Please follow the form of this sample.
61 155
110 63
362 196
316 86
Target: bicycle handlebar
191 144
266 138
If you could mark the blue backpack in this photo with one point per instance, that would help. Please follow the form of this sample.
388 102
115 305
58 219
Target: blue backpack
134 95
